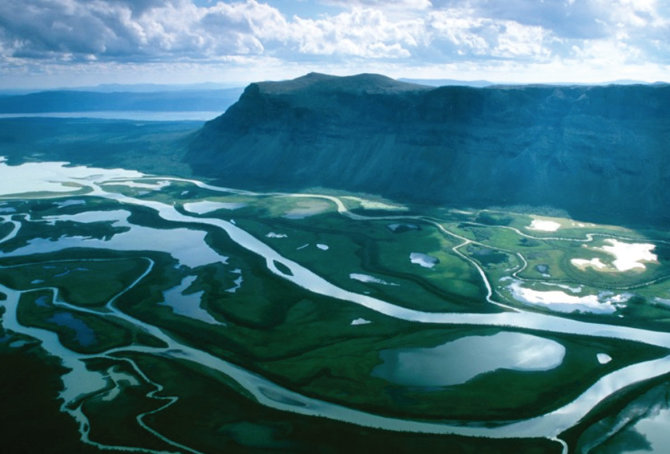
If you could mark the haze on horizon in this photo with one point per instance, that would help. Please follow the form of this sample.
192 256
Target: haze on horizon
67 43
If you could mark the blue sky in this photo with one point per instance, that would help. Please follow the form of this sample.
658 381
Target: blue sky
59 43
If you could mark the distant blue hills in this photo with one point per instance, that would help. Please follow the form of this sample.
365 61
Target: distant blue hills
153 98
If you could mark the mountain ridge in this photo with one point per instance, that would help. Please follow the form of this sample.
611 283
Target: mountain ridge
597 152
86 101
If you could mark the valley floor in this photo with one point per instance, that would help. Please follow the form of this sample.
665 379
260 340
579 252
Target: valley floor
194 318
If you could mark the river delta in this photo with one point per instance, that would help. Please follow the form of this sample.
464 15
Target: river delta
203 318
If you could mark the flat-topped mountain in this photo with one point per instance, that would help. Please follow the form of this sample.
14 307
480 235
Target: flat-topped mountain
598 152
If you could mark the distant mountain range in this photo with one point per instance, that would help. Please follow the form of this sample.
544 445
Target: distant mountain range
86 101
444 82
599 152
486 83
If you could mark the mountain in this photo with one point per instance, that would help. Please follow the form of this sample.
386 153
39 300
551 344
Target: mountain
599 152
443 82
153 88
87 101
486 83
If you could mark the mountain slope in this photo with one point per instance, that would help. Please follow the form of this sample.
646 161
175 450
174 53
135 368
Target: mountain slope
600 153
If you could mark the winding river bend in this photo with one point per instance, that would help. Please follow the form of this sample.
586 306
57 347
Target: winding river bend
59 179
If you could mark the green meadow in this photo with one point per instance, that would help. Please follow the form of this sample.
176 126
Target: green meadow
110 307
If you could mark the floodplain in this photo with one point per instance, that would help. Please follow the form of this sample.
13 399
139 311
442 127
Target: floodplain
198 318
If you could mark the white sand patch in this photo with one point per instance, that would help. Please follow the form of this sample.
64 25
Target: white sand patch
544 225
581 225
595 263
603 358
630 256
559 301
276 235
323 247
158 185
423 260
207 206
369 279
360 321
367 204
627 257
307 208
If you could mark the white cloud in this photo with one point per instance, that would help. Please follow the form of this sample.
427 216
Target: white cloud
365 33
522 41
471 36
418 5
466 33
411 34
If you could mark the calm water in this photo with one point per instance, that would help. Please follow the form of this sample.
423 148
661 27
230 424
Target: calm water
522 352
187 305
123 115
85 336
461 360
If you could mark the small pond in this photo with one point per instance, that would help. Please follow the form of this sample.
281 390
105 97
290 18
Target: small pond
463 359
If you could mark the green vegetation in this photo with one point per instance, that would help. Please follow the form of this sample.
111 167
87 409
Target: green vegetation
370 247
598 153
78 331
31 420
341 371
113 414
213 417
5 229
156 147
85 282
318 345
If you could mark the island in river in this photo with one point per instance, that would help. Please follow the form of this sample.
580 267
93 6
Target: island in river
158 296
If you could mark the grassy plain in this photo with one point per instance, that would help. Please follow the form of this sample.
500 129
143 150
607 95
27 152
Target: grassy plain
306 342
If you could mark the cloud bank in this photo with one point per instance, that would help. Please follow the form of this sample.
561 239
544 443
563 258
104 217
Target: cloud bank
621 37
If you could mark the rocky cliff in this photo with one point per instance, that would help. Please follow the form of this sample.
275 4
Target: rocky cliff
601 153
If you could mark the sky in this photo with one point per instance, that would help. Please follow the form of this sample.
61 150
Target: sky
65 43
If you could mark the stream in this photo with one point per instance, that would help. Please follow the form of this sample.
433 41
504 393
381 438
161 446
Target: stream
80 382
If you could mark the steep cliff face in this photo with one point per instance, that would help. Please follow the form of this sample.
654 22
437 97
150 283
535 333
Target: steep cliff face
601 153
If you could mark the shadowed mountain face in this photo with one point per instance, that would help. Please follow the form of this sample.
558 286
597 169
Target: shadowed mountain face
601 153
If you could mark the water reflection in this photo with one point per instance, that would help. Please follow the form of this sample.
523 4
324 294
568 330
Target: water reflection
461 360
640 427
520 352
84 335
187 305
